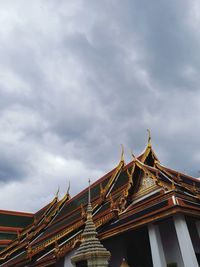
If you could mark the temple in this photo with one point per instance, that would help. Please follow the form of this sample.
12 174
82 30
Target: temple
140 214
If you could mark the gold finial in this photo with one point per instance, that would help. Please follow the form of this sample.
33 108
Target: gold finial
149 136
57 193
68 188
122 153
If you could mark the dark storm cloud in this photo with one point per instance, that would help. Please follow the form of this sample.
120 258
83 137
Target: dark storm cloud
77 80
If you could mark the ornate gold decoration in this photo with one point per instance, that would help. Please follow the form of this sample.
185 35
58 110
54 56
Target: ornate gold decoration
147 182
113 206
102 192
57 249
29 251
83 213
130 174
122 204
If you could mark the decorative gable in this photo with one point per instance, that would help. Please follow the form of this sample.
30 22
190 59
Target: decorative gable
146 185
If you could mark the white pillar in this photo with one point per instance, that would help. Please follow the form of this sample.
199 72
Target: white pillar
198 227
157 251
185 243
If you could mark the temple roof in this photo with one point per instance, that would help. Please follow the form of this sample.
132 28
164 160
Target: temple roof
11 223
127 197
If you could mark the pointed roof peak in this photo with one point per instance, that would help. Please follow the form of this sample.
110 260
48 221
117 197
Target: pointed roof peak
148 151
122 154
149 137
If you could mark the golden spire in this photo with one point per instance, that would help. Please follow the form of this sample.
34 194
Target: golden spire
149 137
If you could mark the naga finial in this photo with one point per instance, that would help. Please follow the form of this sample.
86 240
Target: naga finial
149 136
68 188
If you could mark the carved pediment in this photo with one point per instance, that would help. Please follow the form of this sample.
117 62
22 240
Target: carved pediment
147 185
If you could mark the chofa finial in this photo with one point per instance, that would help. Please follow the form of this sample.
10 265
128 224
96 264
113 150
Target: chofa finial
122 153
68 188
57 193
149 136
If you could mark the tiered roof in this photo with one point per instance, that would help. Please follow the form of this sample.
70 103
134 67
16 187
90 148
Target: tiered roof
127 197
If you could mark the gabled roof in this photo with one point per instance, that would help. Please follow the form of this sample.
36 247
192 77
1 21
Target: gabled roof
128 196
11 223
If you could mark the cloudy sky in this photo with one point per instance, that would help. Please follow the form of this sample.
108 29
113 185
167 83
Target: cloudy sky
80 77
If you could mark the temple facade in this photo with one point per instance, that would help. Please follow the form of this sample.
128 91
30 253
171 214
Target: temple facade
140 214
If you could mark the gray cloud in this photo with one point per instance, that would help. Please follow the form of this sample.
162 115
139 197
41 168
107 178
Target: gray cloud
78 79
